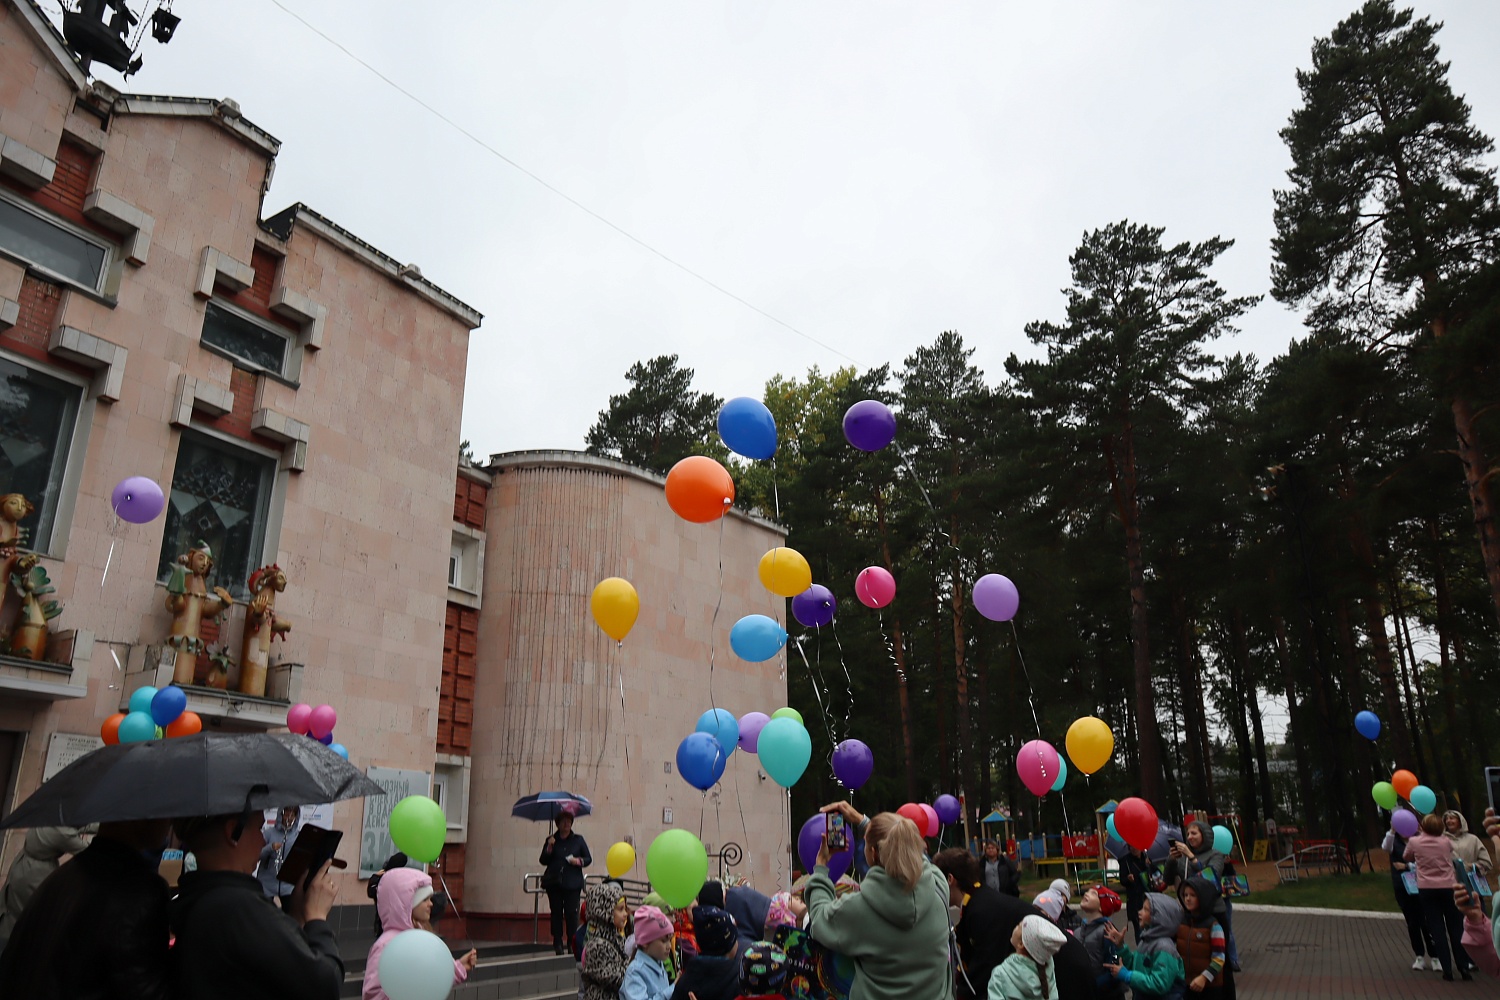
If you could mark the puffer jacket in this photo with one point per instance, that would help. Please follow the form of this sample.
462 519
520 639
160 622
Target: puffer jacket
394 901
604 961
1466 847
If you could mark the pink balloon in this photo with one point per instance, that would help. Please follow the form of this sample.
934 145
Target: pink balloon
933 825
322 720
296 718
1038 766
875 587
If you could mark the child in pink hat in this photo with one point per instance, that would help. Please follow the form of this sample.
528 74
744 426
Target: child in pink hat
646 979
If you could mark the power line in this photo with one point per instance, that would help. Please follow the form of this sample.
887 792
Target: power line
554 189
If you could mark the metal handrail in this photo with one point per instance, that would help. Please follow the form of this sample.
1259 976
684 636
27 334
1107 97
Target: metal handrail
531 884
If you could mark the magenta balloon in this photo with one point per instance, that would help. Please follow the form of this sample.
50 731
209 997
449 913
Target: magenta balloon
321 721
810 838
875 587
996 597
934 825
869 425
296 718
1405 822
853 763
1037 764
137 500
815 606
751 723
947 808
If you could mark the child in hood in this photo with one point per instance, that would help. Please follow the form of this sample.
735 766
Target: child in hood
785 910
713 973
646 976
1029 973
1153 968
604 961
762 972
404 899
1200 939
1095 909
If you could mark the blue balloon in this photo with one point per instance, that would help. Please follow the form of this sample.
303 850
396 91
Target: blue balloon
169 703
701 760
140 699
756 638
327 741
721 724
137 726
1062 776
341 750
748 428
784 750
1368 725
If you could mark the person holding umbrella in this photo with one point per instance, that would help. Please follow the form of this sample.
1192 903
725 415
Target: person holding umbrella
566 855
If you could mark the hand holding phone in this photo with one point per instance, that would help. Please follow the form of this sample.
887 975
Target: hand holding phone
838 837
313 849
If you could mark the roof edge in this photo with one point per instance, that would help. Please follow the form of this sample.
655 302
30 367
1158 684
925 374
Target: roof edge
225 113
51 40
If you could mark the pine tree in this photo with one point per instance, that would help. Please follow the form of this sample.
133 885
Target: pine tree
659 421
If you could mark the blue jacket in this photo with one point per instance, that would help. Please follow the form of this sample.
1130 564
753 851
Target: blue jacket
646 979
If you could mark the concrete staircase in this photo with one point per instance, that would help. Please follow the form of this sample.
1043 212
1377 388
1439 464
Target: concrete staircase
504 972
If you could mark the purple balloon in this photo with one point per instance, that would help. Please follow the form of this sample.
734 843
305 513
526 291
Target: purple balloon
853 763
814 607
810 838
327 741
869 425
137 500
947 808
1405 822
751 723
996 597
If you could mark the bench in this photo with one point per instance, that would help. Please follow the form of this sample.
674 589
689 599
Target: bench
1310 860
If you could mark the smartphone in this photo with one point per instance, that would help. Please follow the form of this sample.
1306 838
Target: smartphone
1492 782
1460 874
838 839
313 848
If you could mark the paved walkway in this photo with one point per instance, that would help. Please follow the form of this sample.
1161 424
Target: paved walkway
1287 955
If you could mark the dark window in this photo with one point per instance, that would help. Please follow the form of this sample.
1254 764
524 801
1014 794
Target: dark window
220 495
37 414
246 339
50 246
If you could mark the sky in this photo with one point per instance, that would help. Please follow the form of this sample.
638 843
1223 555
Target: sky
870 174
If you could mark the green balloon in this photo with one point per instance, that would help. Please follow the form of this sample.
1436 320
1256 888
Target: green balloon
1384 794
677 865
418 828
788 713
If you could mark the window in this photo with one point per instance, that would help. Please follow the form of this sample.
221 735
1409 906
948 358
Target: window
49 245
252 341
465 561
220 495
37 414
455 565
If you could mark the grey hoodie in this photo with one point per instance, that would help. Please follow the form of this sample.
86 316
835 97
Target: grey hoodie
1466 847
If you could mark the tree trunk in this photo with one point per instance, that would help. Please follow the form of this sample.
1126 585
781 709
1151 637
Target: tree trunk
1252 707
1447 639
1477 479
1191 704
898 653
1249 801
1296 733
987 744
939 694
960 668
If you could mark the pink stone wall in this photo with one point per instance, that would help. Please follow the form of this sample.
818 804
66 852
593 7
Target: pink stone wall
34 98
547 700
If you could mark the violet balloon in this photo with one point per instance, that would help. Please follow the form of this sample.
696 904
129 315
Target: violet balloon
947 808
1037 766
853 763
810 838
751 723
875 587
1405 822
996 597
815 606
869 425
137 500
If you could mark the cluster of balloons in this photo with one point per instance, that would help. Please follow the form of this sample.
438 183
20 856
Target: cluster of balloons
1404 785
418 828
316 723
137 499
1090 744
153 713
780 740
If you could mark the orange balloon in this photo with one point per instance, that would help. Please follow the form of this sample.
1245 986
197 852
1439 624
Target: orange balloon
185 724
699 489
111 729
1404 782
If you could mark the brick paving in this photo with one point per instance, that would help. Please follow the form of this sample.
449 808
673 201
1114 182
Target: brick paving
1295 956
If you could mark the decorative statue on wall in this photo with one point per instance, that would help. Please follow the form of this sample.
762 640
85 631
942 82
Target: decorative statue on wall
190 603
261 626
28 639
13 510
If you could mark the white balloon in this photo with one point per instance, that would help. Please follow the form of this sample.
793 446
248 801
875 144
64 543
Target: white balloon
416 965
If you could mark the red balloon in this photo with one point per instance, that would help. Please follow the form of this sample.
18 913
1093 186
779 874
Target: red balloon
1135 821
914 812
111 729
185 724
933 825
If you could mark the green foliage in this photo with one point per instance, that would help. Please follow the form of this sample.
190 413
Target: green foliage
659 421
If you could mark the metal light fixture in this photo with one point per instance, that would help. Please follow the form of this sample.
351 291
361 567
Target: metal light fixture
163 23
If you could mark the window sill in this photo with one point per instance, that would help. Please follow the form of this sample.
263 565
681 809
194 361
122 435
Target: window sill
248 366
52 278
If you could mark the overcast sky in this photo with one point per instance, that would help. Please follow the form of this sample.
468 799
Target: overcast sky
870 173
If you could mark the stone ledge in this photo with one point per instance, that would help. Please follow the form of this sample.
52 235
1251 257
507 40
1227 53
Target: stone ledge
25 165
124 218
199 394
85 132
106 358
217 267
10 311
303 310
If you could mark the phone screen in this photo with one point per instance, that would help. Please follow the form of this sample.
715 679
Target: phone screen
837 840
313 848
1492 782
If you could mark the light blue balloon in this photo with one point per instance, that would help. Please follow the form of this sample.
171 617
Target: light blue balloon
1223 840
785 749
756 638
1423 799
137 726
1109 825
416 965
1062 775
721 724
341 750
748 428
141 698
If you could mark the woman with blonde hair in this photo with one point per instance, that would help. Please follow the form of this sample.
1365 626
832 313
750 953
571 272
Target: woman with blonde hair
896 927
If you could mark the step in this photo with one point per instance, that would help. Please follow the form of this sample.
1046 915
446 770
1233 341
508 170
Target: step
355 962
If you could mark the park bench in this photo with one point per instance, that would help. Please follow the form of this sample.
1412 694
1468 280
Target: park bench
1313 859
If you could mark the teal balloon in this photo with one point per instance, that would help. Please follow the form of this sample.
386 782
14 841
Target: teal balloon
785 749
1223 840
1422 798
416 965
1109 825
141 698
1062 775
137 726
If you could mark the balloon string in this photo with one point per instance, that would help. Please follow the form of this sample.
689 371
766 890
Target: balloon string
812 679
107 560
833 626
629 772
775 489
744 829
713 627
890 648
463 920
1030 692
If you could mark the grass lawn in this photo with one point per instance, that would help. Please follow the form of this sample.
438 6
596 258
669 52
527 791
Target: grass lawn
1365 891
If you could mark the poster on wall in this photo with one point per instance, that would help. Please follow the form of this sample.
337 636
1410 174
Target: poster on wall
64 748
375 842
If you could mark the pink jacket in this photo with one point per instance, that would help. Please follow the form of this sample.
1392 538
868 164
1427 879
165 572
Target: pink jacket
393 903
1433 854
1482 941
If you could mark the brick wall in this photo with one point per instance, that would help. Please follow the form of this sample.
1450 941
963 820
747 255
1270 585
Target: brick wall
451 864
456 698
468 503
257 298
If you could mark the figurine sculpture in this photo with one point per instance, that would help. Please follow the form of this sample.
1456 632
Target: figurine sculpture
14 508
261 626
28 639
190 603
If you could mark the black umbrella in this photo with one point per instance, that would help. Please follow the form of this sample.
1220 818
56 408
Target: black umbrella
207 774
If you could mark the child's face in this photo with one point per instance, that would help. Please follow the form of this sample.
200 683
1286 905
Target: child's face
1090 901
1015 941
422 912
1144 916
659 949
1189 899
621 913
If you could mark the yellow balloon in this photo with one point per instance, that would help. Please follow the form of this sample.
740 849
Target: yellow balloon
620 859
615 605
1090 744
784 572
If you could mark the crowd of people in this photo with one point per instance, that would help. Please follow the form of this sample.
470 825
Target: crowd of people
1435 876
